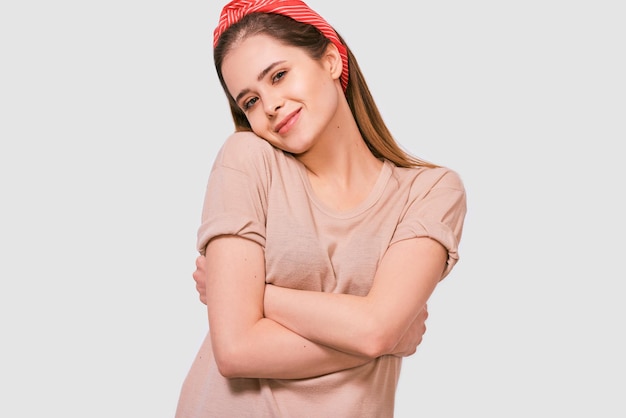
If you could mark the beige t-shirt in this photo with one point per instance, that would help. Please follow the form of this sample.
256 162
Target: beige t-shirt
263 194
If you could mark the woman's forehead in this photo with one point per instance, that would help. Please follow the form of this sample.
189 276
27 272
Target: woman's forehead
257 50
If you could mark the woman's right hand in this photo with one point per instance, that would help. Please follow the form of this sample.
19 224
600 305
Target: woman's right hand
200 278
413 336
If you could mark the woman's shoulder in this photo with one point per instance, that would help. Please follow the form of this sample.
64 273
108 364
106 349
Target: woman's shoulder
244 149
245 143
431 177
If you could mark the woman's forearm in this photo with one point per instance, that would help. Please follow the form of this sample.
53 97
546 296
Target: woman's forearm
333 319
246 343
369 325
273 351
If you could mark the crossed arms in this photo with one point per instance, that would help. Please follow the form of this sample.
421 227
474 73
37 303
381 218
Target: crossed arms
266 331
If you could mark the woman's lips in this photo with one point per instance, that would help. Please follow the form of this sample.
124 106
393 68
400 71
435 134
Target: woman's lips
287 122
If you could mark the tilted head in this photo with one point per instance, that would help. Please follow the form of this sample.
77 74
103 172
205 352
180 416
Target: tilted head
290 22
293 23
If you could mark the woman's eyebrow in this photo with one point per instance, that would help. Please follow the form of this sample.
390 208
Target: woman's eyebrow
262 74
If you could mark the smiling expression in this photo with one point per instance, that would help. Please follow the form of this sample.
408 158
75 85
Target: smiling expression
289 98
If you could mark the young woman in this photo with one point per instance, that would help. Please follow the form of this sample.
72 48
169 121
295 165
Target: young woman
321 239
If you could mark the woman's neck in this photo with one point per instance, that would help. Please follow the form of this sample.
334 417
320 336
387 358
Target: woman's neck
340 154
341 168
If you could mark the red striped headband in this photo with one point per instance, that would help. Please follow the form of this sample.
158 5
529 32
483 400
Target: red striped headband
295 9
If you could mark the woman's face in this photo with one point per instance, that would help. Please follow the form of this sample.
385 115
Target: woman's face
289 99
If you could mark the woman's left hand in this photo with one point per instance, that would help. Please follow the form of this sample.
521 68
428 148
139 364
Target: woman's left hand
413 336
199 277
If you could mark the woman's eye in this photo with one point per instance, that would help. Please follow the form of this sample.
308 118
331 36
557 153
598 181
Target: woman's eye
278 76
248 103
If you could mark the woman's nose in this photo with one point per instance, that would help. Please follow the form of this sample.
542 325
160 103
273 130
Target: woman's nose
272 106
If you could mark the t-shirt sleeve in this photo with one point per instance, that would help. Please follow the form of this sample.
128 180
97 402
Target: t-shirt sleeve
235 200
437 212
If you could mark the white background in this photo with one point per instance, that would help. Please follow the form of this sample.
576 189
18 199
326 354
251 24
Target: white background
110 117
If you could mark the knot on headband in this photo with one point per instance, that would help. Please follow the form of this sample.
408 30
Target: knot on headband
295 9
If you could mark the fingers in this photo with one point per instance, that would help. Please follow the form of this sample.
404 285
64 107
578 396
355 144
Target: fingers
199 278
198 274
200 262
423 315
201 292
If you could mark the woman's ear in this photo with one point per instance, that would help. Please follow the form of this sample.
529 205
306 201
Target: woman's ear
332 59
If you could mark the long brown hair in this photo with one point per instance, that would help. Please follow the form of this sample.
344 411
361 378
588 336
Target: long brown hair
291 32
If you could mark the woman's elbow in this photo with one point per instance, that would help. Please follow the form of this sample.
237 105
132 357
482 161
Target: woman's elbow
229 361
377 340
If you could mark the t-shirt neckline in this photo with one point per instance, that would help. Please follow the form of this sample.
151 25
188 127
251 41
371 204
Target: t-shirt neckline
373 197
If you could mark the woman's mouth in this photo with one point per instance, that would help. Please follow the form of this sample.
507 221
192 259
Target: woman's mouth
284 125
